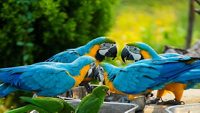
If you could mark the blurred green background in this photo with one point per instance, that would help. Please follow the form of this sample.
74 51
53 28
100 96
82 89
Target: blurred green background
156 22
33 30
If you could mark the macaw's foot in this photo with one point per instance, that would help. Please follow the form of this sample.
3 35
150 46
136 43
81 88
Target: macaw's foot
173 102
154 101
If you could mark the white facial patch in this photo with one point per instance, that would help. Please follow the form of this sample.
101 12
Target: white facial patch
136 56
135 52
92 66
105 47
103 52
90 71
101 73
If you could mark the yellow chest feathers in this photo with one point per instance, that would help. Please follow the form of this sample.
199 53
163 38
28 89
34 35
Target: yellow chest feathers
110 85
82 75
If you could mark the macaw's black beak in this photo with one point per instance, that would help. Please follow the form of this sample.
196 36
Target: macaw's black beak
125 55
112 52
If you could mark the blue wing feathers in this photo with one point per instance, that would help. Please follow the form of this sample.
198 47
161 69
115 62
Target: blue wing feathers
45 78
64 57
6 89
148 74
36 77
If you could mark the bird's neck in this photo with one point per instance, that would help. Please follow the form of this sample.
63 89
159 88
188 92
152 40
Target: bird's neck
150 53
86 49
79 78
91 51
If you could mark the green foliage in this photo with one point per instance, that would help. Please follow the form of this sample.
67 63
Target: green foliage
33 30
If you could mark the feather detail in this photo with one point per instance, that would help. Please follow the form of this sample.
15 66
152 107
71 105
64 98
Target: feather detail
82 75
45 78
145 54
93 50
110 85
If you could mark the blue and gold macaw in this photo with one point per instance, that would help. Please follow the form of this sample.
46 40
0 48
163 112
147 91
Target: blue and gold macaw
138 51
98 48
146 75
46 78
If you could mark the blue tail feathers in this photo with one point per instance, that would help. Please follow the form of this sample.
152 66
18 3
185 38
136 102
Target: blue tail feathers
6 89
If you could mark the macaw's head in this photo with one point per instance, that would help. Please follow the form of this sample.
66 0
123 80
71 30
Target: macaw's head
101 91
102 47
136 51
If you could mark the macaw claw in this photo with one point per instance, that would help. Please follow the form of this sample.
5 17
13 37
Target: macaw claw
172 102
155 101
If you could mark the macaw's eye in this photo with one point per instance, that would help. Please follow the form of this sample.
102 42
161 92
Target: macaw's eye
100 68
106 45
112 45
134 49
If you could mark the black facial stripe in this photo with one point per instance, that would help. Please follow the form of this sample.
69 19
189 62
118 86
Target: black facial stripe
99 57
141 57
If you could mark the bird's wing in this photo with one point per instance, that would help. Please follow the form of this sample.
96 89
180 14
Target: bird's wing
167 55
27 109
91 104
170 59
44 77
67 56
47 103
38 78
136 78
173 69
190 77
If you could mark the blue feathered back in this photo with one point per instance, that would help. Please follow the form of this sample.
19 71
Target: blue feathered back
152 74
70 55
45 78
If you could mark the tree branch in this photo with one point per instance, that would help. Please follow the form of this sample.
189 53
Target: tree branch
190 24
